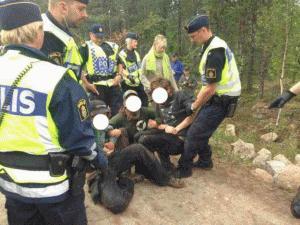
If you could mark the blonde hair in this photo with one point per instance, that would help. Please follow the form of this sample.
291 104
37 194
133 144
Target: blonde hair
128 42
160 39
22 35
52 3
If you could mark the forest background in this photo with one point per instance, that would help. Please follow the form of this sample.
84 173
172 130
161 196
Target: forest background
263 34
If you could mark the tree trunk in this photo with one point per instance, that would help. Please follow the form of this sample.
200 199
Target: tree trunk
179 28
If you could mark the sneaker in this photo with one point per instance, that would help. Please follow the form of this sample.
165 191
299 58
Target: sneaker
176 183
182 172
206 165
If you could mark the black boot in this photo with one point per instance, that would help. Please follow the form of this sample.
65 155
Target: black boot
204 164
204 161
295 205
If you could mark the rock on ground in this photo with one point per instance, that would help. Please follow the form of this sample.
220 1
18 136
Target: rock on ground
274 167
230 130
262 157
262 175
269 137
243 149
288 178
283 159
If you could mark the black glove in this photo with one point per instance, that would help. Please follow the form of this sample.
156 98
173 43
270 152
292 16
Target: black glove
281 100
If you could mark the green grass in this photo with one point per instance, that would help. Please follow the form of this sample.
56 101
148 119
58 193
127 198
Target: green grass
251 123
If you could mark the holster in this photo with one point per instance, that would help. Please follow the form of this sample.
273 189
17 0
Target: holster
58 163
77 173
228 102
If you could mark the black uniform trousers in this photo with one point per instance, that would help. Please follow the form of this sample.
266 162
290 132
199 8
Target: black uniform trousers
112 96
164 144
67 212
140 91
206 122
144 161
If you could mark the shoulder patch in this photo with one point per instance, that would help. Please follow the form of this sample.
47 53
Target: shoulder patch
210 73
82 109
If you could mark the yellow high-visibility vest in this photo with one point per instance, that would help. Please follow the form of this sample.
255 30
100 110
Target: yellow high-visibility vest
133 69
72 58
99 64
28 126
230 83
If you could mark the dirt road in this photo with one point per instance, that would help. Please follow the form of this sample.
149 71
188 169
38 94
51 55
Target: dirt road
226 195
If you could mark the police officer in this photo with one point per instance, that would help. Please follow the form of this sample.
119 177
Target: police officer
217 98
130 68
279 102
59 43
45 131
100 62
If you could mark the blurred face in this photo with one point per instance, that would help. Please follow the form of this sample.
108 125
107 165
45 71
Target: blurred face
160 48
76 13
96 39
198 37
40 37
173 58
133 44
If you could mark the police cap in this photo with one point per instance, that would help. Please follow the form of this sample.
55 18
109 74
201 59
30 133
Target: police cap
84 1
97 29
129 93
196 23
132 35
17 13
99 106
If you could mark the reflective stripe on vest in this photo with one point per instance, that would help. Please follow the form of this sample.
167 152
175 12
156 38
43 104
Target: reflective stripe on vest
99 65
72 58
230 83
133 69
44 192
28 125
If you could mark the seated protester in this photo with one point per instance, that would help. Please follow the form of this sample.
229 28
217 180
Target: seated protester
187 83
133 122
111 189
175 116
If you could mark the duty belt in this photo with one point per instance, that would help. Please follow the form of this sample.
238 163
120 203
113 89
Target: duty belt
97 78
21 160
223 99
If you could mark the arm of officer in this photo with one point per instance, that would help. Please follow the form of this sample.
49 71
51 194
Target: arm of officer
184 124
69 110
204 95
